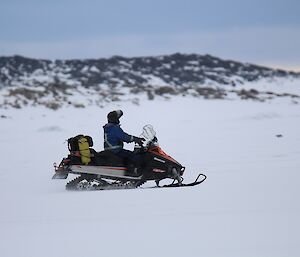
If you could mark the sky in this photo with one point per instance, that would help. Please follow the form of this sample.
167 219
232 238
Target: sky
265 32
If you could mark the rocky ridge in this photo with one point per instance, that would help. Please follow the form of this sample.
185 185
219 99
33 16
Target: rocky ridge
79 83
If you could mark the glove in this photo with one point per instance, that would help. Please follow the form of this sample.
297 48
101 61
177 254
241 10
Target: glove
138 140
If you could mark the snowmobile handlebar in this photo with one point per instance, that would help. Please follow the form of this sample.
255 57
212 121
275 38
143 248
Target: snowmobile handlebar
139 140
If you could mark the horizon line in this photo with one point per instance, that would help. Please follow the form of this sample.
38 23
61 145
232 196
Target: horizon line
288 68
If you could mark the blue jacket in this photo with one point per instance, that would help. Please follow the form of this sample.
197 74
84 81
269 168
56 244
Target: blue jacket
114 137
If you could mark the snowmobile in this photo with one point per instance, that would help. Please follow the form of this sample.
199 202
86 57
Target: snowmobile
105 170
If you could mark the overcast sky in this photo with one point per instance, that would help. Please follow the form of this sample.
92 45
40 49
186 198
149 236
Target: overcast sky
265 32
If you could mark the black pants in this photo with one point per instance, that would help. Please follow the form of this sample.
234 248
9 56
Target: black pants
130 158
126 154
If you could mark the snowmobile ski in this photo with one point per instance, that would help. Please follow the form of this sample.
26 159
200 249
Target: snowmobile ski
195 183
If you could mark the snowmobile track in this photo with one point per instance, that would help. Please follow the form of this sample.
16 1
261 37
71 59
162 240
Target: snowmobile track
83 183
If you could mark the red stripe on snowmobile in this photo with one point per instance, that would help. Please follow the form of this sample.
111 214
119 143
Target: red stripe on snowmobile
114 168
158 170
103 167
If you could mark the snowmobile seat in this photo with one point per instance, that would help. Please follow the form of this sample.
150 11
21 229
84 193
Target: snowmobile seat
108 158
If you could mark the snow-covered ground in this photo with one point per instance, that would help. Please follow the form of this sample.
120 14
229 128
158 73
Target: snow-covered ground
248 206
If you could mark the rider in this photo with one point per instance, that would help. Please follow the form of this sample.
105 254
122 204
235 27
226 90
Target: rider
114 137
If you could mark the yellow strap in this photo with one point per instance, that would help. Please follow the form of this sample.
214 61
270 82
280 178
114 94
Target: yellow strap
84 150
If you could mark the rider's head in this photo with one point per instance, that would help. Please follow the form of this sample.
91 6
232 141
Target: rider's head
114 116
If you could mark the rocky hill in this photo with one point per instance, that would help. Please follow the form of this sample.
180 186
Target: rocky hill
79 83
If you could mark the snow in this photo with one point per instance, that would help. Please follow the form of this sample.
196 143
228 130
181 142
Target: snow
279 85
5 71
195 63
248 206
85 69
191 68
94 69
126 64
167 66
155 80
219 69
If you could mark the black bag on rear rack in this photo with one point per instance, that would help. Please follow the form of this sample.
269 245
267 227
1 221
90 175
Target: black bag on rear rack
80 151
73 144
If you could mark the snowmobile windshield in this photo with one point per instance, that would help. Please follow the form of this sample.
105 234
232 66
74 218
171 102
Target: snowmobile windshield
149 135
